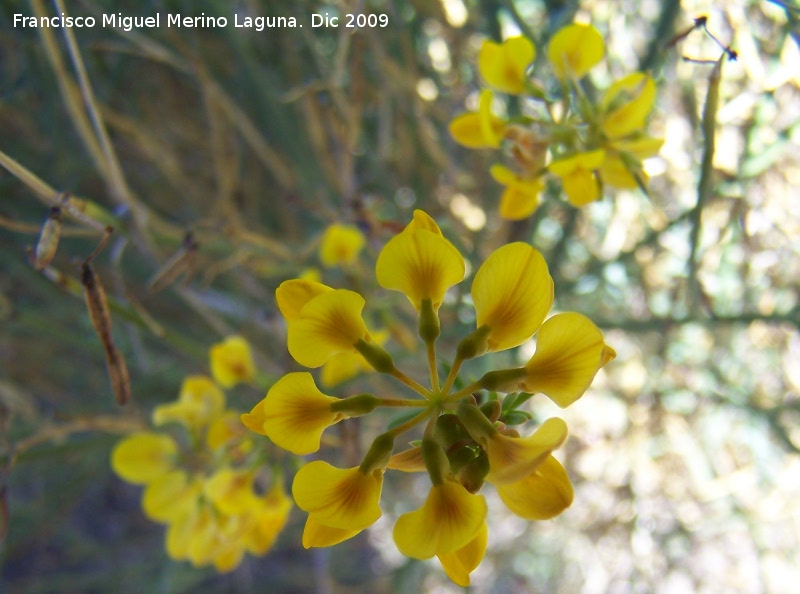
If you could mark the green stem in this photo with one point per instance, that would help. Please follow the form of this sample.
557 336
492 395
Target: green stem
412 422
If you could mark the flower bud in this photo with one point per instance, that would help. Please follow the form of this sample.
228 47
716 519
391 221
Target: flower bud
502 379
435 460
479 427
355 405
379 453
429 328
449 430
473 474
378 357
475 344
492 409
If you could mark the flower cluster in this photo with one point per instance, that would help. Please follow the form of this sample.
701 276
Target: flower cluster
466 441
563 132
202 482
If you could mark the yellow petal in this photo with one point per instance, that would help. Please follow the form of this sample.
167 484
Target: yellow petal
640 148
459 564
569 353
481 129
344 498
577 176
199 403
615 173
232 362
574 50
143 457
231 491
420 263
521 196
170 496
294 414
329 323
513 458
224 431
628 102
268 518
448 520
504 66
341 245
541 495
342 367
512 293
319 535
408 461
292 295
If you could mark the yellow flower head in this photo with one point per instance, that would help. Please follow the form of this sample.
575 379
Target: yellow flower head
521 196
460 563
543 494
232 362
231 491
627 103
266 519
512 293
481 129
503 65
344 366
327 324
574 50
199 403
420 263
512 458
569 353
293 414
448 520
345 500
171 496
577 176
141 458
292 295
341 245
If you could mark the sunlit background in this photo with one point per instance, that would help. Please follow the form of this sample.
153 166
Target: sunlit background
684 453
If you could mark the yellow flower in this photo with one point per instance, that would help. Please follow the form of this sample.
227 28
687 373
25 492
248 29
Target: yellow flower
344 366
293 414
512 458
569 352
231 491
420 263
232 362
343 499
626 105
320 535
266 519
199 403
574 50
171 496
143 457
503 66
543 494
292 295
328 324
226 431
577 176
481 129
623 160
340 245
448 520
460 563
521 196
512 293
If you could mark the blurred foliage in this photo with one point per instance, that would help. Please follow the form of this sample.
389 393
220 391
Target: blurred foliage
684 453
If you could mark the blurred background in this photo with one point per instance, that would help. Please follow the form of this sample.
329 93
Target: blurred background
684 453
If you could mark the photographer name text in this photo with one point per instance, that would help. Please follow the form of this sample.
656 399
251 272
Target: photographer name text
202 21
